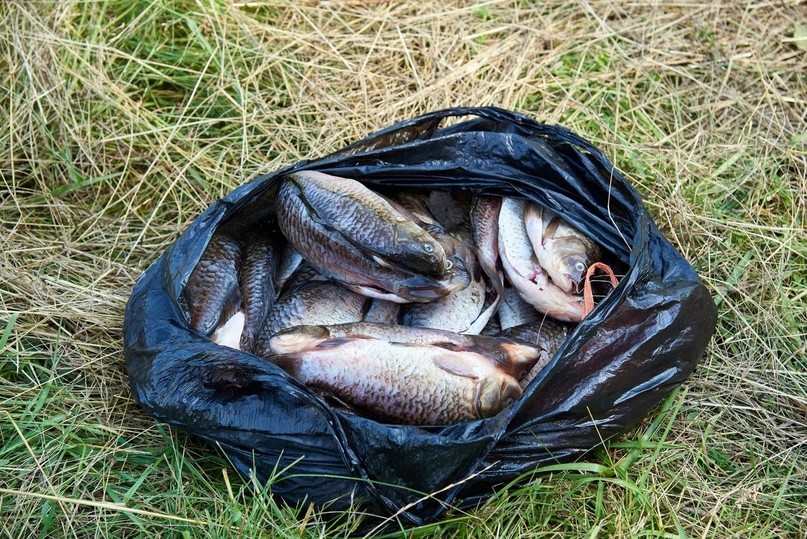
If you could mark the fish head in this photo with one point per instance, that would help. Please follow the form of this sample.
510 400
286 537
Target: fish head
418 252
432 254
574 256
496 393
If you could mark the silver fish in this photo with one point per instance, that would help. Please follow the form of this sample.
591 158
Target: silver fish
212 293
405 383
369 222
522 268
313 303
340 260
562 251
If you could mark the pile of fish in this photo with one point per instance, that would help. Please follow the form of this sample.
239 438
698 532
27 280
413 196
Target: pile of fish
417 308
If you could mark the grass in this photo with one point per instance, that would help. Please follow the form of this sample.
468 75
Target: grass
123 120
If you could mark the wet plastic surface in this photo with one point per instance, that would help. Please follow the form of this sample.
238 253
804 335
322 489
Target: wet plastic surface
637 345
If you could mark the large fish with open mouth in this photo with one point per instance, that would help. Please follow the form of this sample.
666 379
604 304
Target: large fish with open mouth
404 383
212 293
523 270
562 251
365 271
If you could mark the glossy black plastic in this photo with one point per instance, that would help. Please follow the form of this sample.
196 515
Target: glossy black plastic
639 343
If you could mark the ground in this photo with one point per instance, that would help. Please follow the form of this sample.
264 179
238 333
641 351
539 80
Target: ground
123 120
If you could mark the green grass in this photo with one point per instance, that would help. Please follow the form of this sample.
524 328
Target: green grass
122 121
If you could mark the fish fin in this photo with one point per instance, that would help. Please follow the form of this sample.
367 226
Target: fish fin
383 263
484 317
448 345
551 228
460 364
230 333
371 292
334 342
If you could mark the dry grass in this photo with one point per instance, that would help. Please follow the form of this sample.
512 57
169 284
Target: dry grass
122 121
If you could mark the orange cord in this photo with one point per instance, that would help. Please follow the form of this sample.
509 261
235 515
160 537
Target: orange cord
588 295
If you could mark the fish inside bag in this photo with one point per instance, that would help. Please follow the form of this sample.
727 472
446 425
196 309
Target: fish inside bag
280 409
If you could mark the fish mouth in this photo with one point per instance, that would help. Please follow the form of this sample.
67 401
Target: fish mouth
496 394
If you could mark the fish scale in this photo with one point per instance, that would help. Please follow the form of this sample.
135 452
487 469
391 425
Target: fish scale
522 269
341 261
212 292
257 290
313 303
369 222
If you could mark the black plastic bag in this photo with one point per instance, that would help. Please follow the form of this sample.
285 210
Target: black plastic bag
638 344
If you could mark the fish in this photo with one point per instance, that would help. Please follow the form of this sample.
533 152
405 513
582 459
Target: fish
460 311
547 335
513 357
562 251
367 220
523 270
316 302
257 286
404 383
485 225
341 261
484 215
212 293
382 312
514 311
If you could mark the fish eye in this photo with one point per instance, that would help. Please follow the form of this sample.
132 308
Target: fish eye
428 247
580 267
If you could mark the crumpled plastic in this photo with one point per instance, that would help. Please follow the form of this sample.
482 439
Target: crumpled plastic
640 342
